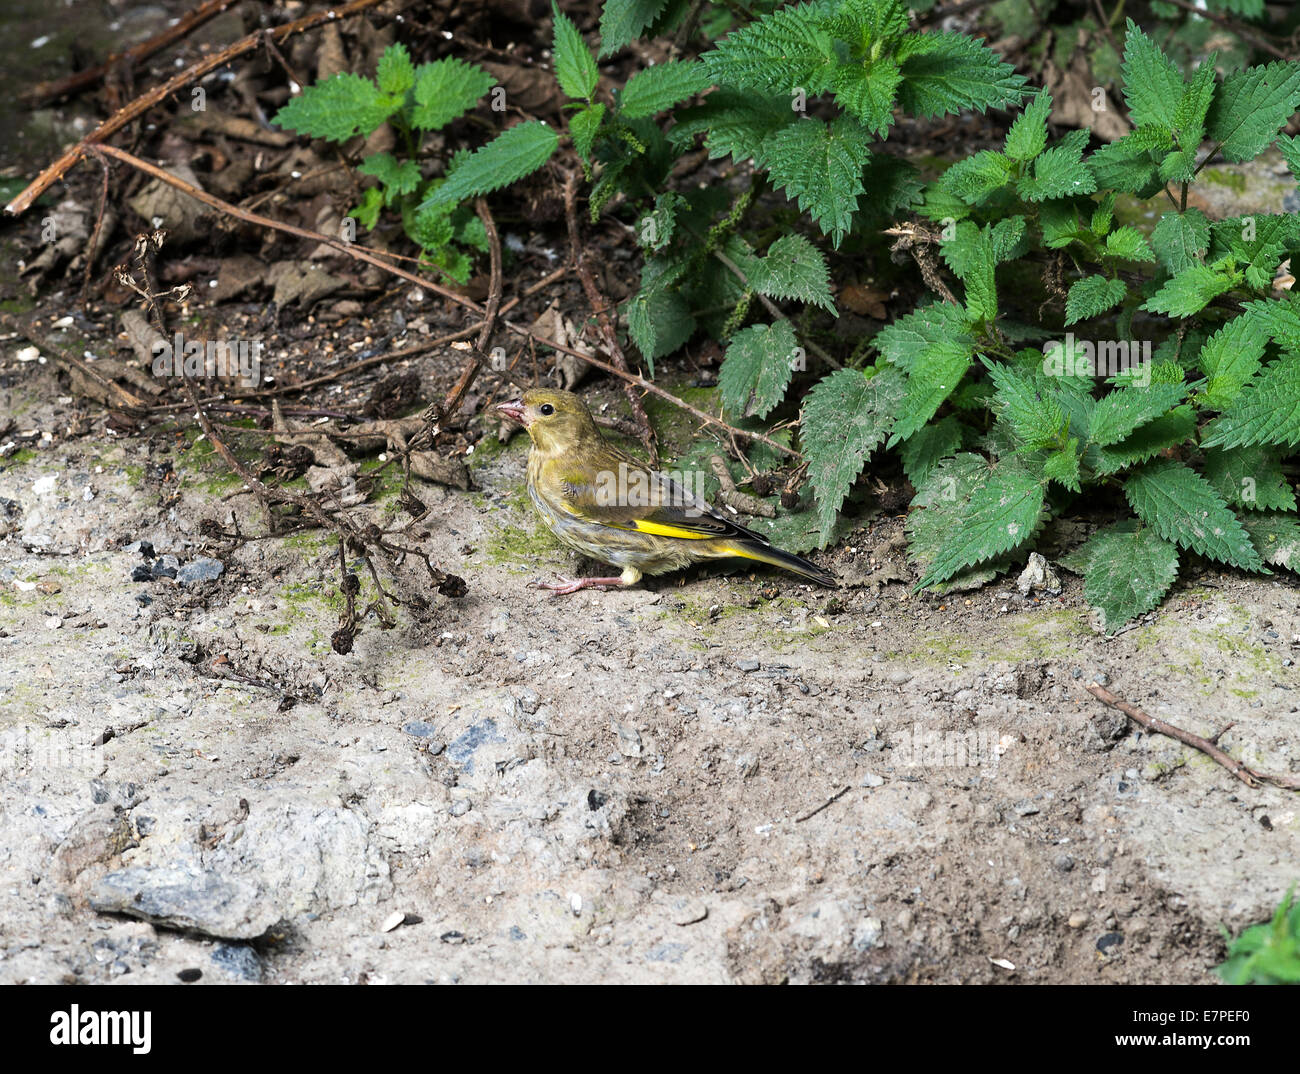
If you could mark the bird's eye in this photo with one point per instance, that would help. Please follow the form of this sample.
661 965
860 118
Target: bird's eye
546 409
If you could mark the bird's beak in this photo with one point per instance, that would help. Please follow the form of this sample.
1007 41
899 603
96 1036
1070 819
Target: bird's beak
513 410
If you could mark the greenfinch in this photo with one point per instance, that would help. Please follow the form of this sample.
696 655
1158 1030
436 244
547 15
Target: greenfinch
610 507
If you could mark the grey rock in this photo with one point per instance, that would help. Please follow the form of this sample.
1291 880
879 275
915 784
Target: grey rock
187 899
748 665
238 960
460 807
202 569
688 911
165 567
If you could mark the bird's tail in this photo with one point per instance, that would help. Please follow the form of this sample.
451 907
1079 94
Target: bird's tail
765 553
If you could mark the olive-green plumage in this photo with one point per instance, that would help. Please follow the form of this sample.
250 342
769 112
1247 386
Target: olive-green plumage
611 507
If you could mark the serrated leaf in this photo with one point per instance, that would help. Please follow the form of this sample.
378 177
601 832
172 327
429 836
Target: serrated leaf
338 108
372 204
622 21
1179 504
1028 405
972 513
935 374
1121 411
1153 84
868 91
446 90
845 417
820 165
1058 172
1276 537
395 72
508 158
659 321
1230 358
784 51
1289 147
1189 292
950 72
575 67
1092 295
1250 477
734 123
862 23
794 268
757 368
1251 107
1028 135
905 341
1129 244
1062 465
1128 569
1180 240
583 126
1266 412
921 452
974 178
1167 431
658 88
398 178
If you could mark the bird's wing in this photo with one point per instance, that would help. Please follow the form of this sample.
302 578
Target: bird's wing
615 490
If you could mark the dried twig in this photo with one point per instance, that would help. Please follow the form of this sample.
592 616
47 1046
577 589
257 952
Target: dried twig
1250 777
829 801
145 101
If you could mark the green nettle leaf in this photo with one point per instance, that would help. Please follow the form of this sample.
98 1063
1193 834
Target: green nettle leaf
395 72
1153 85
583 126
1270 236
820 165
372 204
446 90
1119 412
784 51
338 108
1230 358
978 276
1063 465
794 268
1181 506
975 178
845 418
949 72
862 23
1251 107
508 158
1276 537
1190 291
972 513
1130 164
922 450
1289 147
1279 319
1250 477
1180 240
1266 412
757 368
909 338
1092 295
1026 403
1127 571
575 67
1189 116
659 322
1128 244
398 178
868 91
1060 171
622 21
733 123
934 376
1168 430
1028 135
658 88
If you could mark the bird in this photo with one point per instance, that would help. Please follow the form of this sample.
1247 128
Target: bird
609 506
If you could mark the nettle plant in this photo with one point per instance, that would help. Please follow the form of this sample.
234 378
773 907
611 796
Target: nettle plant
414 100
1195 436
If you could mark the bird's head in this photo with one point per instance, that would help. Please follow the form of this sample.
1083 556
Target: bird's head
555 420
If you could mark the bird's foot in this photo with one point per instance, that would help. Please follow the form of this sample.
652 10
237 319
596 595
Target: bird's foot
571 585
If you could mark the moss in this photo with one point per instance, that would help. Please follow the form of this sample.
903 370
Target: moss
21 456
1233 180
518 547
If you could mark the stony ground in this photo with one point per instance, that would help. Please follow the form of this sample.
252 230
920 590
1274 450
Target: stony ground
614 787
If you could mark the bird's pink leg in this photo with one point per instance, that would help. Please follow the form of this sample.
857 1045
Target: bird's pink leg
571 585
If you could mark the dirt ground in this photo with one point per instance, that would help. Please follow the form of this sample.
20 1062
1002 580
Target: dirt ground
615 787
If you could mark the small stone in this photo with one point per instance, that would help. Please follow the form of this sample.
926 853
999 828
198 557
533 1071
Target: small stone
688 911
141 572
397 917
1025 808
1109 940
419 729
629 740
1077 919
873 780
166 567
748 665
868 933
238 960
1064 863
460 807
189 976
202 569
529 702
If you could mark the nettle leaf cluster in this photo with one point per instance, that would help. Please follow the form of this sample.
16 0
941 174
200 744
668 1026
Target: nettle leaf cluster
414 100
1177 384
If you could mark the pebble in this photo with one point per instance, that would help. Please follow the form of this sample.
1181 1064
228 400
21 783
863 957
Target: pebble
1110 939
202 569
748 665
166 567
460 807
1077 919
238 960
1064 863
688 911
872 780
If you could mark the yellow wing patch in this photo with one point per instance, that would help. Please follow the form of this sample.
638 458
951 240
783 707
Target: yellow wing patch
658 530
